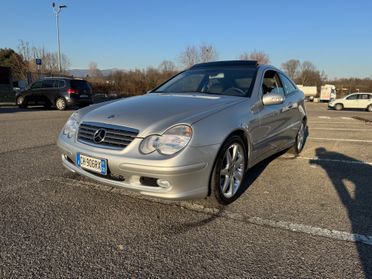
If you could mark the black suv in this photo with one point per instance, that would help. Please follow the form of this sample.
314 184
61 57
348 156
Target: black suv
60 92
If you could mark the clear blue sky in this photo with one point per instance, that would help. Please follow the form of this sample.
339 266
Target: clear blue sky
335 35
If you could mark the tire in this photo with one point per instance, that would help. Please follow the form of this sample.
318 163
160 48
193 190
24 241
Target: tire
300 139
369 108
229 171
21 102
61 103
339 107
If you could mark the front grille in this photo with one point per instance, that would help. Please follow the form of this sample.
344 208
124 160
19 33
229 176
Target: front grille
116 137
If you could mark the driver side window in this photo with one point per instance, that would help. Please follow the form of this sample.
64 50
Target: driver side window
36 85
271 83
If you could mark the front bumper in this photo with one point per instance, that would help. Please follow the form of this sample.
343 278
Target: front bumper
188 179
331 105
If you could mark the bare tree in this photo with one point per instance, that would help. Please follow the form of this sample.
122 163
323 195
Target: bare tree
292 68
260 56
308 73
189 57
49 59
167 66
193 55
207 53
94 72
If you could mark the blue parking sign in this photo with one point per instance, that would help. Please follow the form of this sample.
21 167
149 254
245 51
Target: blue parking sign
38 61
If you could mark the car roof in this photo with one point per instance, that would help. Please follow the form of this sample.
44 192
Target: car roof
227 63
355 93
66 78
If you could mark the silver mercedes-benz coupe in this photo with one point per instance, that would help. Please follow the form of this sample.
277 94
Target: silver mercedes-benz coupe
196 135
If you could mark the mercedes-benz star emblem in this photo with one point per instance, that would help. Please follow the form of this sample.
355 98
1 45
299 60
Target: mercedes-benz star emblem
99 135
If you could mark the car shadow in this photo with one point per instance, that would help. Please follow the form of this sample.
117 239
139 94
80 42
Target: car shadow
354 189
253 173
17 109
251 176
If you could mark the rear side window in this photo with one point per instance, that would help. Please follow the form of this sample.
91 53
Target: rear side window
60 83
79 84
364 96
48 83
287 84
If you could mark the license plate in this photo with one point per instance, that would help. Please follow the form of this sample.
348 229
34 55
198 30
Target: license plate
91 163
83 96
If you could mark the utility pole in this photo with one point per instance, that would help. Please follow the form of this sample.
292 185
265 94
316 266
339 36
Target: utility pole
57 10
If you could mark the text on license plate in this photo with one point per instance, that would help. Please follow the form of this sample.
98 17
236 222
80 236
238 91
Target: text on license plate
91 163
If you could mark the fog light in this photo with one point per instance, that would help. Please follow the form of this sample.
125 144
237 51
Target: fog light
163 183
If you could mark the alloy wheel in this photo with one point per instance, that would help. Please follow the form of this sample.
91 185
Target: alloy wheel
60 104
20 100
301 137
232 170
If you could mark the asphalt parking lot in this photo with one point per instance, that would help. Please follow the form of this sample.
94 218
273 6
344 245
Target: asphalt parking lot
304 217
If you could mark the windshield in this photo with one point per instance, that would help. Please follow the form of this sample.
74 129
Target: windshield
234 81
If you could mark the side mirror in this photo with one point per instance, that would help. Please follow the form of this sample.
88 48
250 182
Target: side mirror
273 99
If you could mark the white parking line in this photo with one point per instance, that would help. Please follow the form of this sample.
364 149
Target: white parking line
340 129
316 231
284 225
289 226
346 140
324 117
335 160
332 122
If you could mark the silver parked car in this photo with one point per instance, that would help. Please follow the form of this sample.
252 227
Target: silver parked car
194 136
353 101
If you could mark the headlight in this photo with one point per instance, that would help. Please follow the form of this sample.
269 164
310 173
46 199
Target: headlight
171 142
71 125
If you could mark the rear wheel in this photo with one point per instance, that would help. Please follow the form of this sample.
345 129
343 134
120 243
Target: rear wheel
339 107
229 171
61 103
300 139
369 108
21 102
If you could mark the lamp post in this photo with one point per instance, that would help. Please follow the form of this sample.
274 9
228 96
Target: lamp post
57 10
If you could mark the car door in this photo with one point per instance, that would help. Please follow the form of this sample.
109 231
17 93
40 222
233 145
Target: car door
291 105
273 119
49 91
351 101
363 101
34 92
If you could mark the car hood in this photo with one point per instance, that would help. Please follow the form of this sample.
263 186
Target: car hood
153 113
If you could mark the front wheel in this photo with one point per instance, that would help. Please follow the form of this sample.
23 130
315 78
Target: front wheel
229 171
61 103
369 108
339 107
21 102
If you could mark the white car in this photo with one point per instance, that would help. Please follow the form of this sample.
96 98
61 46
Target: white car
353 101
